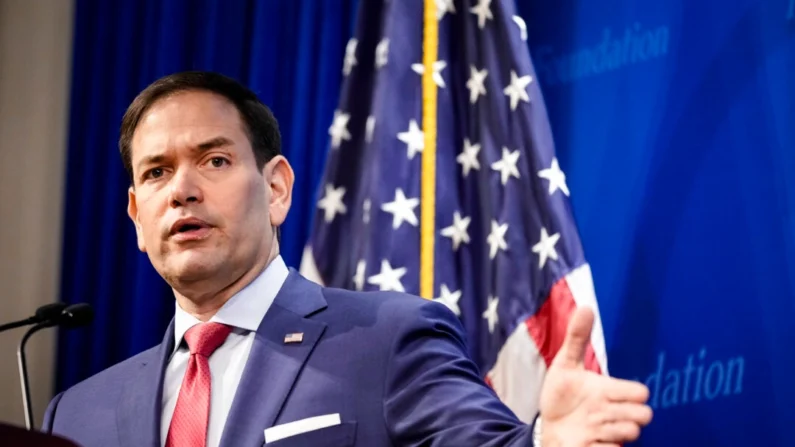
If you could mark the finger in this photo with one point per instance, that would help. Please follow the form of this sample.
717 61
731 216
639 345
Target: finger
604 444
621 390
629 412
578 335
618 432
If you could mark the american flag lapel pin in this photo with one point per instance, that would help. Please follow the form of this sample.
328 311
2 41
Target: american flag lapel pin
295 337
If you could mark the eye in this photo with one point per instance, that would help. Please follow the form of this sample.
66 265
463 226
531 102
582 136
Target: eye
218 162
153 173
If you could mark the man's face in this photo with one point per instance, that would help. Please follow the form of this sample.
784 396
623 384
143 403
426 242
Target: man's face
202 209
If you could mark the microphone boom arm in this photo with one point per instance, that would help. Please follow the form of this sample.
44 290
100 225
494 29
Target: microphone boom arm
46 312
57 314
16 324
23 371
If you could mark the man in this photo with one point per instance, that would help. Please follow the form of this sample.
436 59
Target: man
257 354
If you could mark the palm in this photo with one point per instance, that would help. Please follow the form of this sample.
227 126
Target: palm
565 391
580 407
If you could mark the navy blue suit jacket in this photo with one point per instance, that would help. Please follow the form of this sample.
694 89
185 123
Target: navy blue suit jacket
394 367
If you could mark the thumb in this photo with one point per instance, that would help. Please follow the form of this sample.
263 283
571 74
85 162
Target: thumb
578 335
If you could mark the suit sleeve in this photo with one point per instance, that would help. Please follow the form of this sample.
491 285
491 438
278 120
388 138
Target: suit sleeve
49 415
434 395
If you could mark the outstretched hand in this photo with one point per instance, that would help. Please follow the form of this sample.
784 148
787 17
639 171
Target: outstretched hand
582 408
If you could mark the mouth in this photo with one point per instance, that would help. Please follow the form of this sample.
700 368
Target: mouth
191 229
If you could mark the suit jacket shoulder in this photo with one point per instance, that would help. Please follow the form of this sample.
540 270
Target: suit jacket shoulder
111 378
383 312
88 409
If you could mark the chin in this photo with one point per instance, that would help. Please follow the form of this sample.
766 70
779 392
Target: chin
192 270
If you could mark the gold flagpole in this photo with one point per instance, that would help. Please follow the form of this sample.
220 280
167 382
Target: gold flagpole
430 44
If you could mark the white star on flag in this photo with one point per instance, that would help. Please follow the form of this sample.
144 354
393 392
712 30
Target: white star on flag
496 239
556 177
358 278
438 66
366 211
450 299
469 157
458 230
545 248
331 203
475 83
339 129
483 11
444 6
350 57
517 89
522 27
490 314
381 53
507 165
402 209
414 139
369 127
388 278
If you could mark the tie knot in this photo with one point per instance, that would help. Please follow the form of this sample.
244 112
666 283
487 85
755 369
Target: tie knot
205 338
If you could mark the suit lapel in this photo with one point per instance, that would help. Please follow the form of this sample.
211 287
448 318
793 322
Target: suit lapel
138 413
273 365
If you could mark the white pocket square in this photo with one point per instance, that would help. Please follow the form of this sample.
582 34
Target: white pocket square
282 431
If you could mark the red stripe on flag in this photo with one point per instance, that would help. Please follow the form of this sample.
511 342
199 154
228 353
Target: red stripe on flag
548 326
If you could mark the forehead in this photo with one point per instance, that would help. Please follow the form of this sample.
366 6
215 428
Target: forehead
185 119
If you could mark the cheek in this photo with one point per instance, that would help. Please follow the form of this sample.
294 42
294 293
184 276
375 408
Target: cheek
239 206
252 205
149 220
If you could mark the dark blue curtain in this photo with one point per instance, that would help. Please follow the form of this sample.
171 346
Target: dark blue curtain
289 52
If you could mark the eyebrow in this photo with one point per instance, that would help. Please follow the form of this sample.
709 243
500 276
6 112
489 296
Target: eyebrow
213 144
204 146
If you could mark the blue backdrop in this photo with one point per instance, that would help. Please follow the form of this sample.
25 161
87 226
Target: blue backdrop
674 122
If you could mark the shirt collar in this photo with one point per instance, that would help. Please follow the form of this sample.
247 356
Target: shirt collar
246 308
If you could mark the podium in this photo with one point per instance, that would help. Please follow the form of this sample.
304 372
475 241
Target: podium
12 436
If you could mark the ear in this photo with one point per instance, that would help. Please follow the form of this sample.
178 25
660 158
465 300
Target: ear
132 211
279 174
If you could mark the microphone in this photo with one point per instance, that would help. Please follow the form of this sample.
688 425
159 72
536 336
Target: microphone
69 317
76 315
43 313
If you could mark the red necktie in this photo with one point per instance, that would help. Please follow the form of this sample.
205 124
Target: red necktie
189 423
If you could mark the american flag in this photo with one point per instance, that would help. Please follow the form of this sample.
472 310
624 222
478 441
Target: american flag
507 255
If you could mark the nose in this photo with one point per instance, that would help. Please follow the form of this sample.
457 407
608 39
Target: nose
184 189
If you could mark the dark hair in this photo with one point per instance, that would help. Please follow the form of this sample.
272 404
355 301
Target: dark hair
261 125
